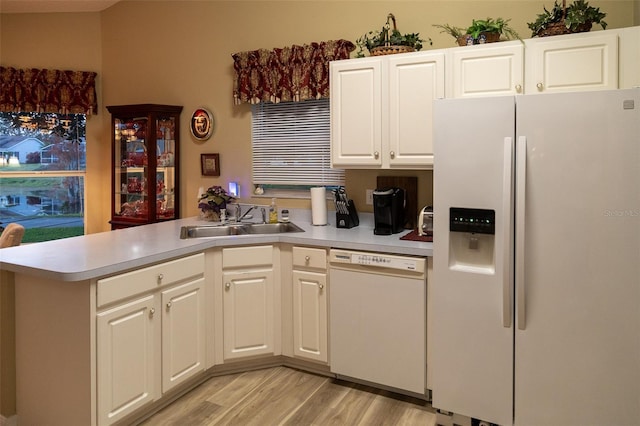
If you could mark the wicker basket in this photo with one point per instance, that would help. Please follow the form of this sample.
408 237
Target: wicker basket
390 50
558 28
467 40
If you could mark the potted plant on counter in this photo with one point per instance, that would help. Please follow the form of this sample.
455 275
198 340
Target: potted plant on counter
481 31
212 201
389 40
578 17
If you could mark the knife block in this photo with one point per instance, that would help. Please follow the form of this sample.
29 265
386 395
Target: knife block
348 220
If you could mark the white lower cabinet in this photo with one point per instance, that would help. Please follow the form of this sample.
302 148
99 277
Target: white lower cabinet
150 334
310 323
183 333
248 302
127 358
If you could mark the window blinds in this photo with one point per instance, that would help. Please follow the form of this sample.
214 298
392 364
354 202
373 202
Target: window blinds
291 144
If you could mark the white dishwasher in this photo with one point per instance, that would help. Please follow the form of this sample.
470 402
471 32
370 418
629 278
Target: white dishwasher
378 319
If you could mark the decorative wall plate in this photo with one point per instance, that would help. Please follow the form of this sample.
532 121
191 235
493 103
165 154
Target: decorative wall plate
202 124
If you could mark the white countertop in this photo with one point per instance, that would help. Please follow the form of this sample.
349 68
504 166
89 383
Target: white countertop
98 255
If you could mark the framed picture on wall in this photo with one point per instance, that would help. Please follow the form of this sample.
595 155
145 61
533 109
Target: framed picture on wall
210 164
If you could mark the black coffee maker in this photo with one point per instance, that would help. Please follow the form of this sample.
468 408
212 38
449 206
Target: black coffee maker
388 211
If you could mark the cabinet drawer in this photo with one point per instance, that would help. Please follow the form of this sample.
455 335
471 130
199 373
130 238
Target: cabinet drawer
307 257
239 257
135 282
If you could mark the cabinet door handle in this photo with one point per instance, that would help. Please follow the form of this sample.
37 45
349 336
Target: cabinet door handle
320 286
168 305
539 86
392 154
376 154
518 88
151 312
227 286
160 278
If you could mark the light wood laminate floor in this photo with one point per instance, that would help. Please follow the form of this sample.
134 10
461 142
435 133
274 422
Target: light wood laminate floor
285 396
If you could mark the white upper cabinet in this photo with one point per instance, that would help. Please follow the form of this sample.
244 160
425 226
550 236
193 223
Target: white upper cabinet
381 110
491 70
356 112
629 50
574 62
414 82
381 107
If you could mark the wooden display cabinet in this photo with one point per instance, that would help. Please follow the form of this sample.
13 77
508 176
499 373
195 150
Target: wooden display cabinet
145 173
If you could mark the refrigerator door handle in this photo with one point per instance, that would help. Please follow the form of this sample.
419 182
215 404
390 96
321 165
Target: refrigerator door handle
507 190
521 174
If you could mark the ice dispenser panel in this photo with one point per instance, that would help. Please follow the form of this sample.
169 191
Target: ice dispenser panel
472 240
477 221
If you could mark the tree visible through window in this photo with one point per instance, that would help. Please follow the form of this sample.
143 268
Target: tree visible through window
42 168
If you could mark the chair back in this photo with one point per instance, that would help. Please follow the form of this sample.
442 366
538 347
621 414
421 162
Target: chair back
12 235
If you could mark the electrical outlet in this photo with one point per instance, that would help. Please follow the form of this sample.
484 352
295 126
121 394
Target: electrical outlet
369 197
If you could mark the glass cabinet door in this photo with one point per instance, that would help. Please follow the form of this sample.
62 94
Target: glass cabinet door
166 168
145 177
132 161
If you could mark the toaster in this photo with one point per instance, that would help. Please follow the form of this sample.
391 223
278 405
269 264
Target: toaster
425 221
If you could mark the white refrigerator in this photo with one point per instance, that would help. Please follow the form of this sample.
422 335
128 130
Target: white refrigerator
535 296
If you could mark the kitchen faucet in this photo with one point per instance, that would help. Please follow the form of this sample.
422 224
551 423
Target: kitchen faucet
241 216
239 213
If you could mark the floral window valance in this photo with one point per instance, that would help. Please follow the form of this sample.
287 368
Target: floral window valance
42 90
293 73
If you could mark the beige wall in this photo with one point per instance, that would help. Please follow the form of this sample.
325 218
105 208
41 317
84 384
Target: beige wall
179 52
70 41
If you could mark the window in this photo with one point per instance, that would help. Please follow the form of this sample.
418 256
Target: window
42 169
291 147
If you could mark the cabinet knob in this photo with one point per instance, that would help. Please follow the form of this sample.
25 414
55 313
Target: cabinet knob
320 286
376 155
227 286
151 312
160 278
307 259
392 154
539 86
518 88
168 305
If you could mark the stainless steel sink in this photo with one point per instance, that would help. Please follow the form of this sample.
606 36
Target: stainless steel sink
273 228
207 231
204 231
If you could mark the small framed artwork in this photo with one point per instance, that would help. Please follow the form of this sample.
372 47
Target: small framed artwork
202 124
210 164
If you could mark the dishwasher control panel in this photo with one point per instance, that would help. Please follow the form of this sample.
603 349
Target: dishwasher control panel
381 260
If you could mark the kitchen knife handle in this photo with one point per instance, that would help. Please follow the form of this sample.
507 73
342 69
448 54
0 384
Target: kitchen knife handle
521 166
507 212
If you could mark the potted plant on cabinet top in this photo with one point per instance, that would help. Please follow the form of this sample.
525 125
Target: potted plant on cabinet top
481 31
578 17
389 40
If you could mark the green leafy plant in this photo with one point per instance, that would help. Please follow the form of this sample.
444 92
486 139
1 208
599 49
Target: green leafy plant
392 36
496 27
489 25
455 32
578 17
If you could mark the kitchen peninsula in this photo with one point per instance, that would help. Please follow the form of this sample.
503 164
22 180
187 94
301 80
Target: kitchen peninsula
68 293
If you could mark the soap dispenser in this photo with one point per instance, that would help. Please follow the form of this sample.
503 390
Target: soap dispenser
273 212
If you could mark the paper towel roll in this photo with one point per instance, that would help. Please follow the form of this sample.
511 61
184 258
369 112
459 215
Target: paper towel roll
319 206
